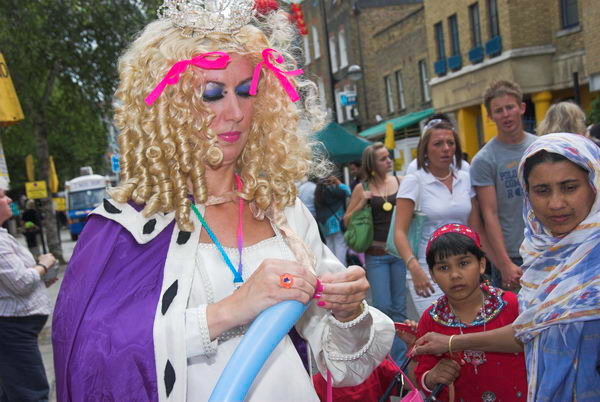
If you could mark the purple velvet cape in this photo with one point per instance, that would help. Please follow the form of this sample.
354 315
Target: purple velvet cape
104 316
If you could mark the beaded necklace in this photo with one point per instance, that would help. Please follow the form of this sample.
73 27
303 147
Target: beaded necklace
238 279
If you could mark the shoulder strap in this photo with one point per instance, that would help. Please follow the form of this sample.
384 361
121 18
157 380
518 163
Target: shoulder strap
366 188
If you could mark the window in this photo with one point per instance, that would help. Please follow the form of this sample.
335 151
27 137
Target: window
424 81
306 49
568 13
475 25
316 45
389 93
453 28
493 17
439 41
343 50
333 54
400 84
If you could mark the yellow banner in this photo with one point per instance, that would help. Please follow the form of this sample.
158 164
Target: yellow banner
10 108
36 189
53 179
29 171
60 204
390 141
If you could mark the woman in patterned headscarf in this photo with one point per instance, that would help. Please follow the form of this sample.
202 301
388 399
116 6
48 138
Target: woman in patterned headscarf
559 303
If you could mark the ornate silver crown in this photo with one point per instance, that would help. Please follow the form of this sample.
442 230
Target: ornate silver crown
206 16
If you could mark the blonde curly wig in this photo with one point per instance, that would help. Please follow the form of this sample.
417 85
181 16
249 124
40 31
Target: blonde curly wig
161 151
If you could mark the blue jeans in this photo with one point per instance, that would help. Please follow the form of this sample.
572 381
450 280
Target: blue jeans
387 277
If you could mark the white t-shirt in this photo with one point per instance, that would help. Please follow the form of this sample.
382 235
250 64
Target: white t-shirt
437 202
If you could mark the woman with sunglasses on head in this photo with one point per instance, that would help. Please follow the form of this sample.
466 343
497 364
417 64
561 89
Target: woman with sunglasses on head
559 320
443 193
205 231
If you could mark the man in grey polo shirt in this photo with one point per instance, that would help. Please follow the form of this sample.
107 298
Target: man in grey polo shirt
494 176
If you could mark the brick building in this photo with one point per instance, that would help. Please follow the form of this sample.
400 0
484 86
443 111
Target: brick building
545 46
387 39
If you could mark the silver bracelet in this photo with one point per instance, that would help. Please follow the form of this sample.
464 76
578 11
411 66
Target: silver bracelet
412 257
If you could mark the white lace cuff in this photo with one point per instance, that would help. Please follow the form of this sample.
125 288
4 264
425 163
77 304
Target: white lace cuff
349 340
197 336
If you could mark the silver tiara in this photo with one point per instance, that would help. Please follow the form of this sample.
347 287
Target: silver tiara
207 16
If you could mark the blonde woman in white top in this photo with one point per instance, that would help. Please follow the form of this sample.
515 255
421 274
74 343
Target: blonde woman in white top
445 195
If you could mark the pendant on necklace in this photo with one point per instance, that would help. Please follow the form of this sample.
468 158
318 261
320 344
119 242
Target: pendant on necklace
237 285
475 357
387 206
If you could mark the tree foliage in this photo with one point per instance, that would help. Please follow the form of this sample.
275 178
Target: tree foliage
62 55
594 112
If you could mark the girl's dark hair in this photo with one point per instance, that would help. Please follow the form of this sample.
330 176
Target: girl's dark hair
545 156
451 244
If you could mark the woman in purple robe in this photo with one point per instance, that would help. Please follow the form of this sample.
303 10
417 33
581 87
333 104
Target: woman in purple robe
205 230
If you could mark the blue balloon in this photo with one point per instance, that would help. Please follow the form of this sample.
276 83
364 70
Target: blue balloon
265 333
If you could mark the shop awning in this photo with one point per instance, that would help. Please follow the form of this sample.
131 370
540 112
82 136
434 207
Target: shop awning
340 145
398 123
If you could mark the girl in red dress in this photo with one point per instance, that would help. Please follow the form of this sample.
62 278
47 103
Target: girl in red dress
468 305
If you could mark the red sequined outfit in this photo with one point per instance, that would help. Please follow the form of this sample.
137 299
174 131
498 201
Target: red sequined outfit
484 376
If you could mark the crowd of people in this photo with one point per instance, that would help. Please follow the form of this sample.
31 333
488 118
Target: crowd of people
474 252
223 212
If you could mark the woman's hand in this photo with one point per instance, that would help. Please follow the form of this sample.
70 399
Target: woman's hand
511 275
431 343
47 259
344 292
263 289
446 371
423 286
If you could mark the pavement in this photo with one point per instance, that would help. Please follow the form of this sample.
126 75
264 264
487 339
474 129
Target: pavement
45 338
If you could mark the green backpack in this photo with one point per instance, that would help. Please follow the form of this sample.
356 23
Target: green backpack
359 233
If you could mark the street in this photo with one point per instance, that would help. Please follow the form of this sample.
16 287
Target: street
46 334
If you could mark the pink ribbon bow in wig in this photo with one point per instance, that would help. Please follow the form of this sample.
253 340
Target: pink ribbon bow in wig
268 55
204 60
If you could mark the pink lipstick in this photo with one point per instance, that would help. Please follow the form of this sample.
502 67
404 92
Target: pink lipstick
230 136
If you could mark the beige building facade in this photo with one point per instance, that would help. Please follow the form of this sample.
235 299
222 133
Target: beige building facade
387 40
549 47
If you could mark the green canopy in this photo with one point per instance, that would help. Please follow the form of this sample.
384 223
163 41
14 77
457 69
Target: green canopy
398 123
341 146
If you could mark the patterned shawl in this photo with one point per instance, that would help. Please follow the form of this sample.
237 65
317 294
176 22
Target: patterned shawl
559 285
561 280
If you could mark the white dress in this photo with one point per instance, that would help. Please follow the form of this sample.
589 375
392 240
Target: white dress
441 207
349 350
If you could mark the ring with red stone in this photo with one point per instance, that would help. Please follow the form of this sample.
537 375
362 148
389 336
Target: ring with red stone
286 280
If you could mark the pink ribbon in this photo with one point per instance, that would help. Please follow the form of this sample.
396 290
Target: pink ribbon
268 55
203 60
